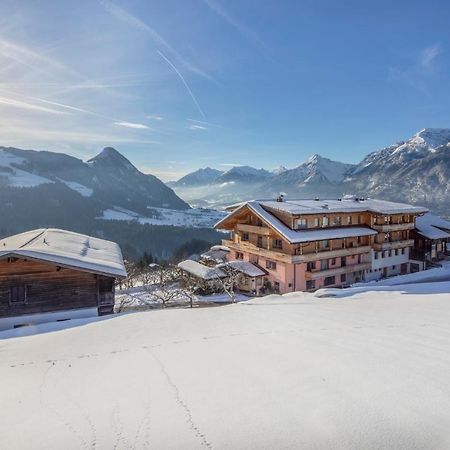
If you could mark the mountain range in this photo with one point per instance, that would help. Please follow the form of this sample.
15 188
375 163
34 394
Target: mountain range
416 170
105 196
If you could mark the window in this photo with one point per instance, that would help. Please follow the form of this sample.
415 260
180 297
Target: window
349 220
329 281
393 267
343 278
337 220
310 284
259 223
325 243
300 224
17 295
375 255
324 264
245 236
316 222
310 266
276 285
333 261
277 243
259 242
324 221
239 255
271 265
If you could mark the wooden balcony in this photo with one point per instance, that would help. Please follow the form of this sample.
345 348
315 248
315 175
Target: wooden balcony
253 229
387 227
313 275
393 245
278 255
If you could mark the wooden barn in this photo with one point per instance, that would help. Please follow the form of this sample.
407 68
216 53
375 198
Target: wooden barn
51 274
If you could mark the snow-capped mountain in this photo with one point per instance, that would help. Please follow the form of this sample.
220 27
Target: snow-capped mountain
199 177
316 169
243 174
38 188
416 170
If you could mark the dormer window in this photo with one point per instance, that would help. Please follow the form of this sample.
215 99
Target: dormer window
301 224
325 221
337 220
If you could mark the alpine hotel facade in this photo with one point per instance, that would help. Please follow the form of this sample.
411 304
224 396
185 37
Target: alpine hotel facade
304 245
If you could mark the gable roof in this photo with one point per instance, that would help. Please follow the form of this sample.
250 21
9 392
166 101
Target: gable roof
201 271
67 249
432 227
245 267
299 236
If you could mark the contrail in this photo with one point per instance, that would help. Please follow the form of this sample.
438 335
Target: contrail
184 82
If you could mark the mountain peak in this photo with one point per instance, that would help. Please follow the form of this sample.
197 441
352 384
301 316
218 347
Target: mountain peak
111 156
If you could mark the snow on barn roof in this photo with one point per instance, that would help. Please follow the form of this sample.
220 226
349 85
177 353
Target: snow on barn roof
200 270
431 226
67 249
246 268
215 255
298 236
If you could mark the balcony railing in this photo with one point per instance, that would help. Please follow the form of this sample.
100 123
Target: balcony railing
313 275
246 228
280 255
386 227
390 245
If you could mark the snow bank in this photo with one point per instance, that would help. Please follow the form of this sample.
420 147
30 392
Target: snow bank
289 371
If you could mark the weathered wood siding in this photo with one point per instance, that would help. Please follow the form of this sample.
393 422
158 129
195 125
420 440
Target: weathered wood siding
50 288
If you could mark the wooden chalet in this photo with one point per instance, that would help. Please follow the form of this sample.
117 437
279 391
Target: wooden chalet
52 274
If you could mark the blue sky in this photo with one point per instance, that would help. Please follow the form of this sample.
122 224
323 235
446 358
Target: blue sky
177 85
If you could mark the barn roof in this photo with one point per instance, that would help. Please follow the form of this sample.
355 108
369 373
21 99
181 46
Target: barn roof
67 249
201 271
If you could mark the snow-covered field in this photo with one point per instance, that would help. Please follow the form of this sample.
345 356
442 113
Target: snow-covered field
194 218
369 371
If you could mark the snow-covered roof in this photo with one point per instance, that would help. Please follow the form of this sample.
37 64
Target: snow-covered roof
220 247
432 227
200 270
246 268
349 204
298 236
215 255
67 249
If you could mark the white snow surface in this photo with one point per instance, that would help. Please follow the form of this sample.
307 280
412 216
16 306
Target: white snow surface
18 177
200 270
430 226
192 218
369 372
80 188
66 248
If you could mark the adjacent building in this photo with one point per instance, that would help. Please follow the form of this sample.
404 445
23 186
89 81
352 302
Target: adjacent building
304 245
431 239
52 274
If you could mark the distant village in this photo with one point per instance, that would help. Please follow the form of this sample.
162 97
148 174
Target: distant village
271 246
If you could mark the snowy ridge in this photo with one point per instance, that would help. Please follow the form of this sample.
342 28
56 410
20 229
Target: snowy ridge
192 218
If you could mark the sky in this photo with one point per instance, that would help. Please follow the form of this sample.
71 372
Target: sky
175 85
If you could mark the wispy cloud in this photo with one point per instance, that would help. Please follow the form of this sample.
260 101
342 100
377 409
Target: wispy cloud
429 55
244 30
155 117
184 82
203 122
128 18
197 127
11 102
418 73
137 126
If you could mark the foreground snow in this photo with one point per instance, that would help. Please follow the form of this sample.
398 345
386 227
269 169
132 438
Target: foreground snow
370 371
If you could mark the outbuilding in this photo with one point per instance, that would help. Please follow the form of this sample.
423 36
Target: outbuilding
51 274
